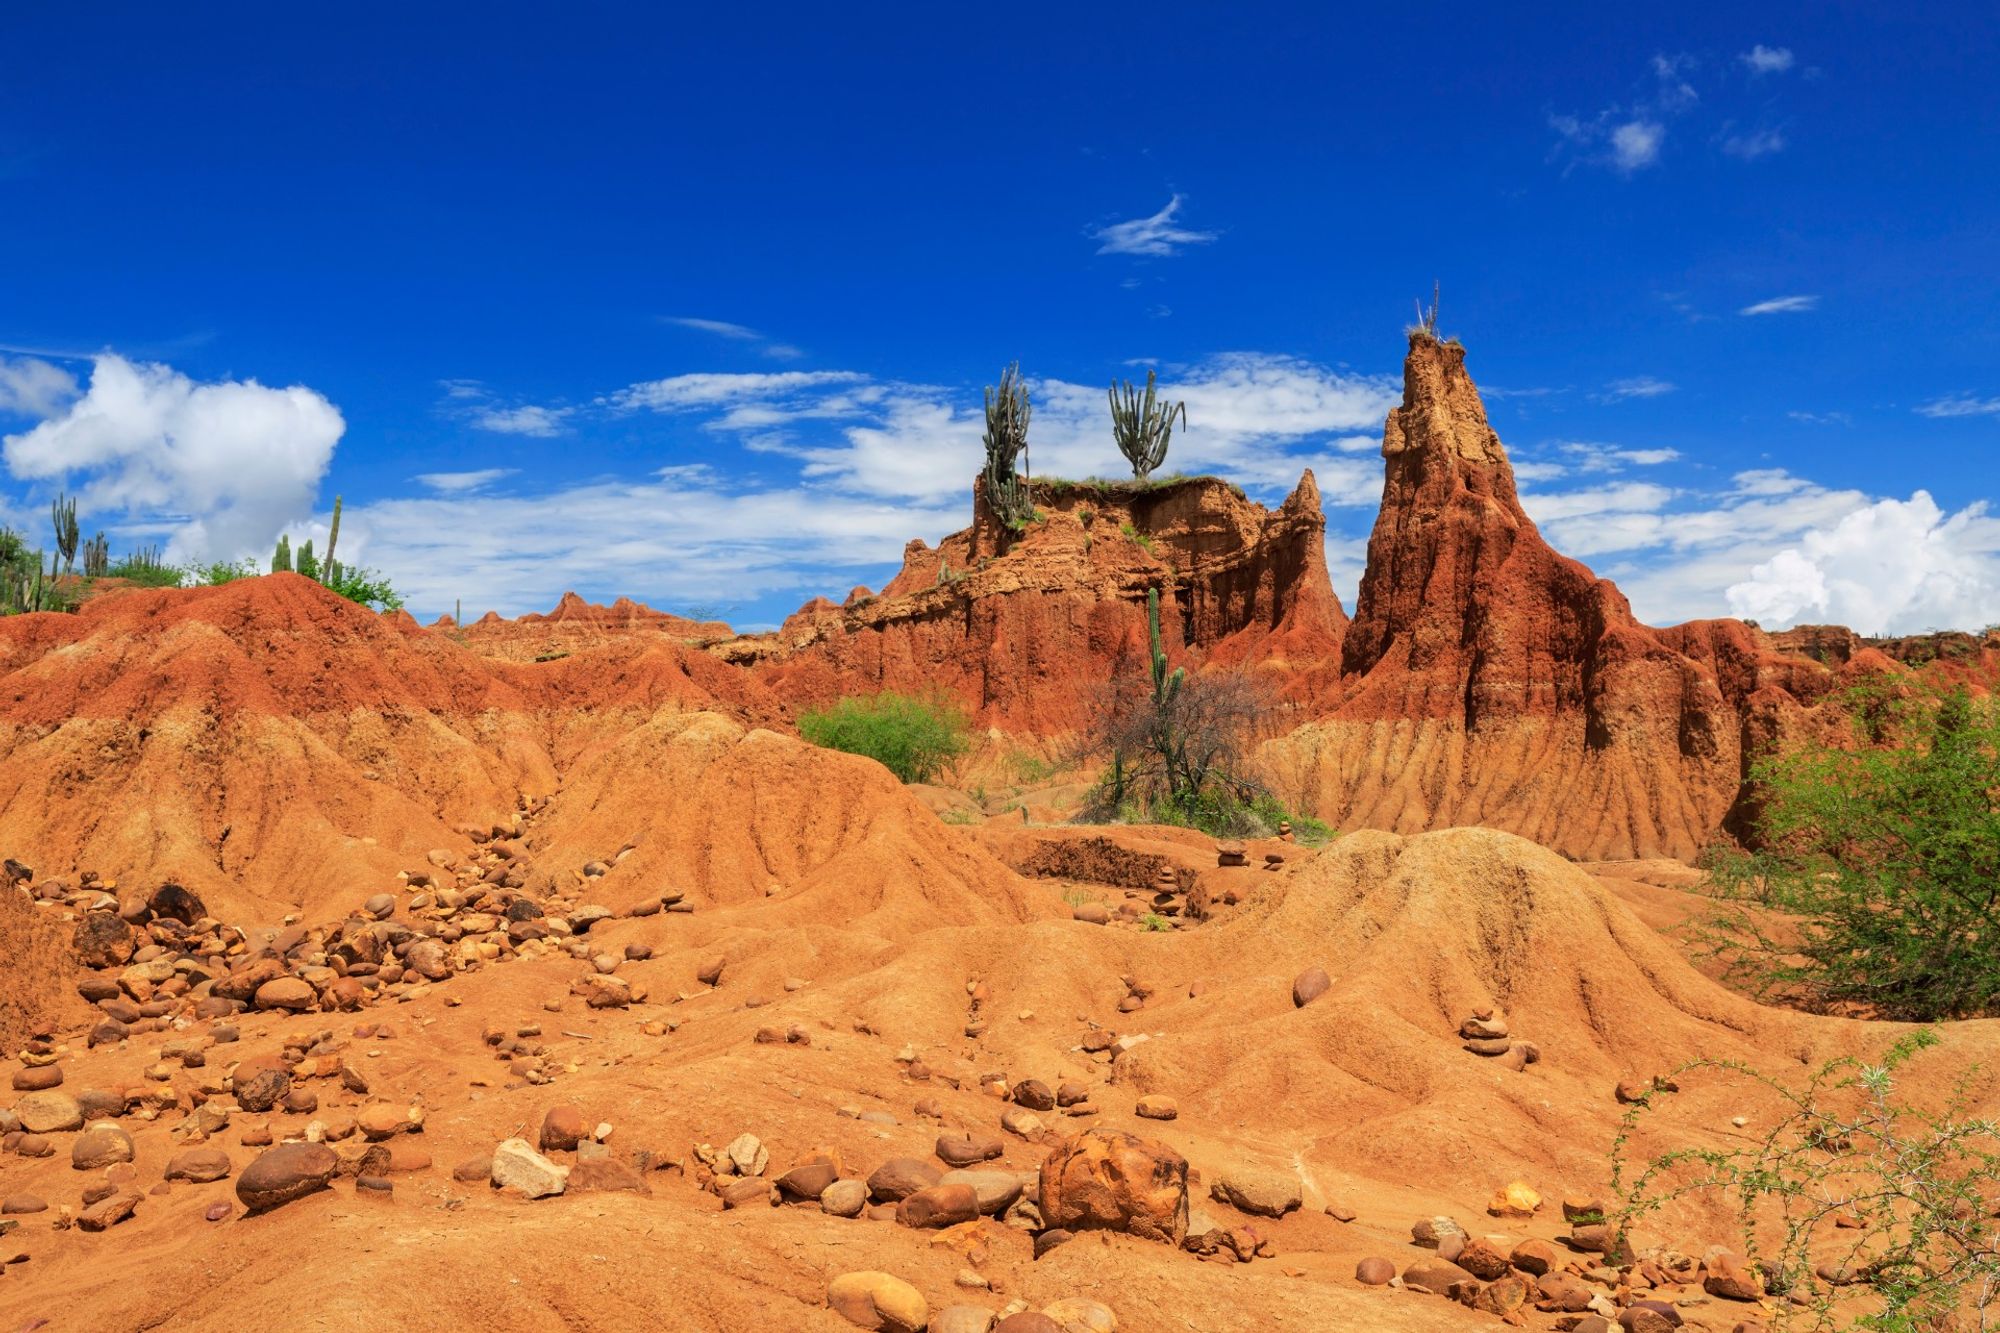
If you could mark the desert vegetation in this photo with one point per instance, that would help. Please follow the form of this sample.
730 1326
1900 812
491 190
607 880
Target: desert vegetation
1880 858
34 580
1859 1207
916 738
1143 424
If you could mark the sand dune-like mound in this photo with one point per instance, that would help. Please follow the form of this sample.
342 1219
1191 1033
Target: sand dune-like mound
730 816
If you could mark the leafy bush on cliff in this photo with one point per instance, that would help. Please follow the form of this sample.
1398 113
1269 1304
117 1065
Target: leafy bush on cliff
1884 858
914 738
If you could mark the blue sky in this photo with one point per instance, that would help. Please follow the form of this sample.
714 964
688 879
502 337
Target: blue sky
697 306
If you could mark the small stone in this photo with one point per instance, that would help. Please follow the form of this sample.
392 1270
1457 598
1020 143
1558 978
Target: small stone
1079 1314
562 1129
1250 1190
48 1113
900 1177
1374 1272
108 1213
517 1166
287 1172
1156 1107
875 1300
103 1144
939 1206
844 1198
199 1166
1515 1199
1309 985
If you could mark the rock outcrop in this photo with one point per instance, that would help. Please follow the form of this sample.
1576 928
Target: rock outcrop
1487 679
1018 625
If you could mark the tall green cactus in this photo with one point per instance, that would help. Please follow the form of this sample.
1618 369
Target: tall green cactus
1006 438
63 510
331 573
281 559
1165 686
1143 425
305 562
96 557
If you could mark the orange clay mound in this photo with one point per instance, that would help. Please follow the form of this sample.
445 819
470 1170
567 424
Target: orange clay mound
886 1030
271 745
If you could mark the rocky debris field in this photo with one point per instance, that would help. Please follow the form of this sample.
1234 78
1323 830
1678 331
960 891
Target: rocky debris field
455 1053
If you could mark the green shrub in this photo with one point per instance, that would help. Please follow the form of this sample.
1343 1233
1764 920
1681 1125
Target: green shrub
914 738
1145 542
366 587
1883 856
218 572
145 572
1849 1176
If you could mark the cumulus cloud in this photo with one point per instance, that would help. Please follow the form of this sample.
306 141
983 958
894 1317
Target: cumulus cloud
1157 235
1782 305
1893 566
1761 59
32 387
219 467
1778 548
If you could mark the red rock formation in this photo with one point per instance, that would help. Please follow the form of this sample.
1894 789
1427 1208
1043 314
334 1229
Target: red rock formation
1488 680
1020 625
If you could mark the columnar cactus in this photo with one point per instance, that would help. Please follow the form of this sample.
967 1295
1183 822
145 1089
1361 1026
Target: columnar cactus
1143 425
1006 439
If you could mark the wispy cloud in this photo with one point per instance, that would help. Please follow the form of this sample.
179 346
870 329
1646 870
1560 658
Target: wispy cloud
722 328
1157 235
1633 386
1822 418
1761 59
1750 145
471 402
706 389
1628 136
1961 405
531 419
462 483
1782 305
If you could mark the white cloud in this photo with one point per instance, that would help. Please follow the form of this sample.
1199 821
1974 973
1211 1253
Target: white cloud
1259 418
1636 144
670 540
1156 235
1778 548
220 467
723 328
32 387
1822 418
532 420
1761 59
1961 405
1753 144
706 389
1634 386
1893 566
454 483
1782 305
1587 457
